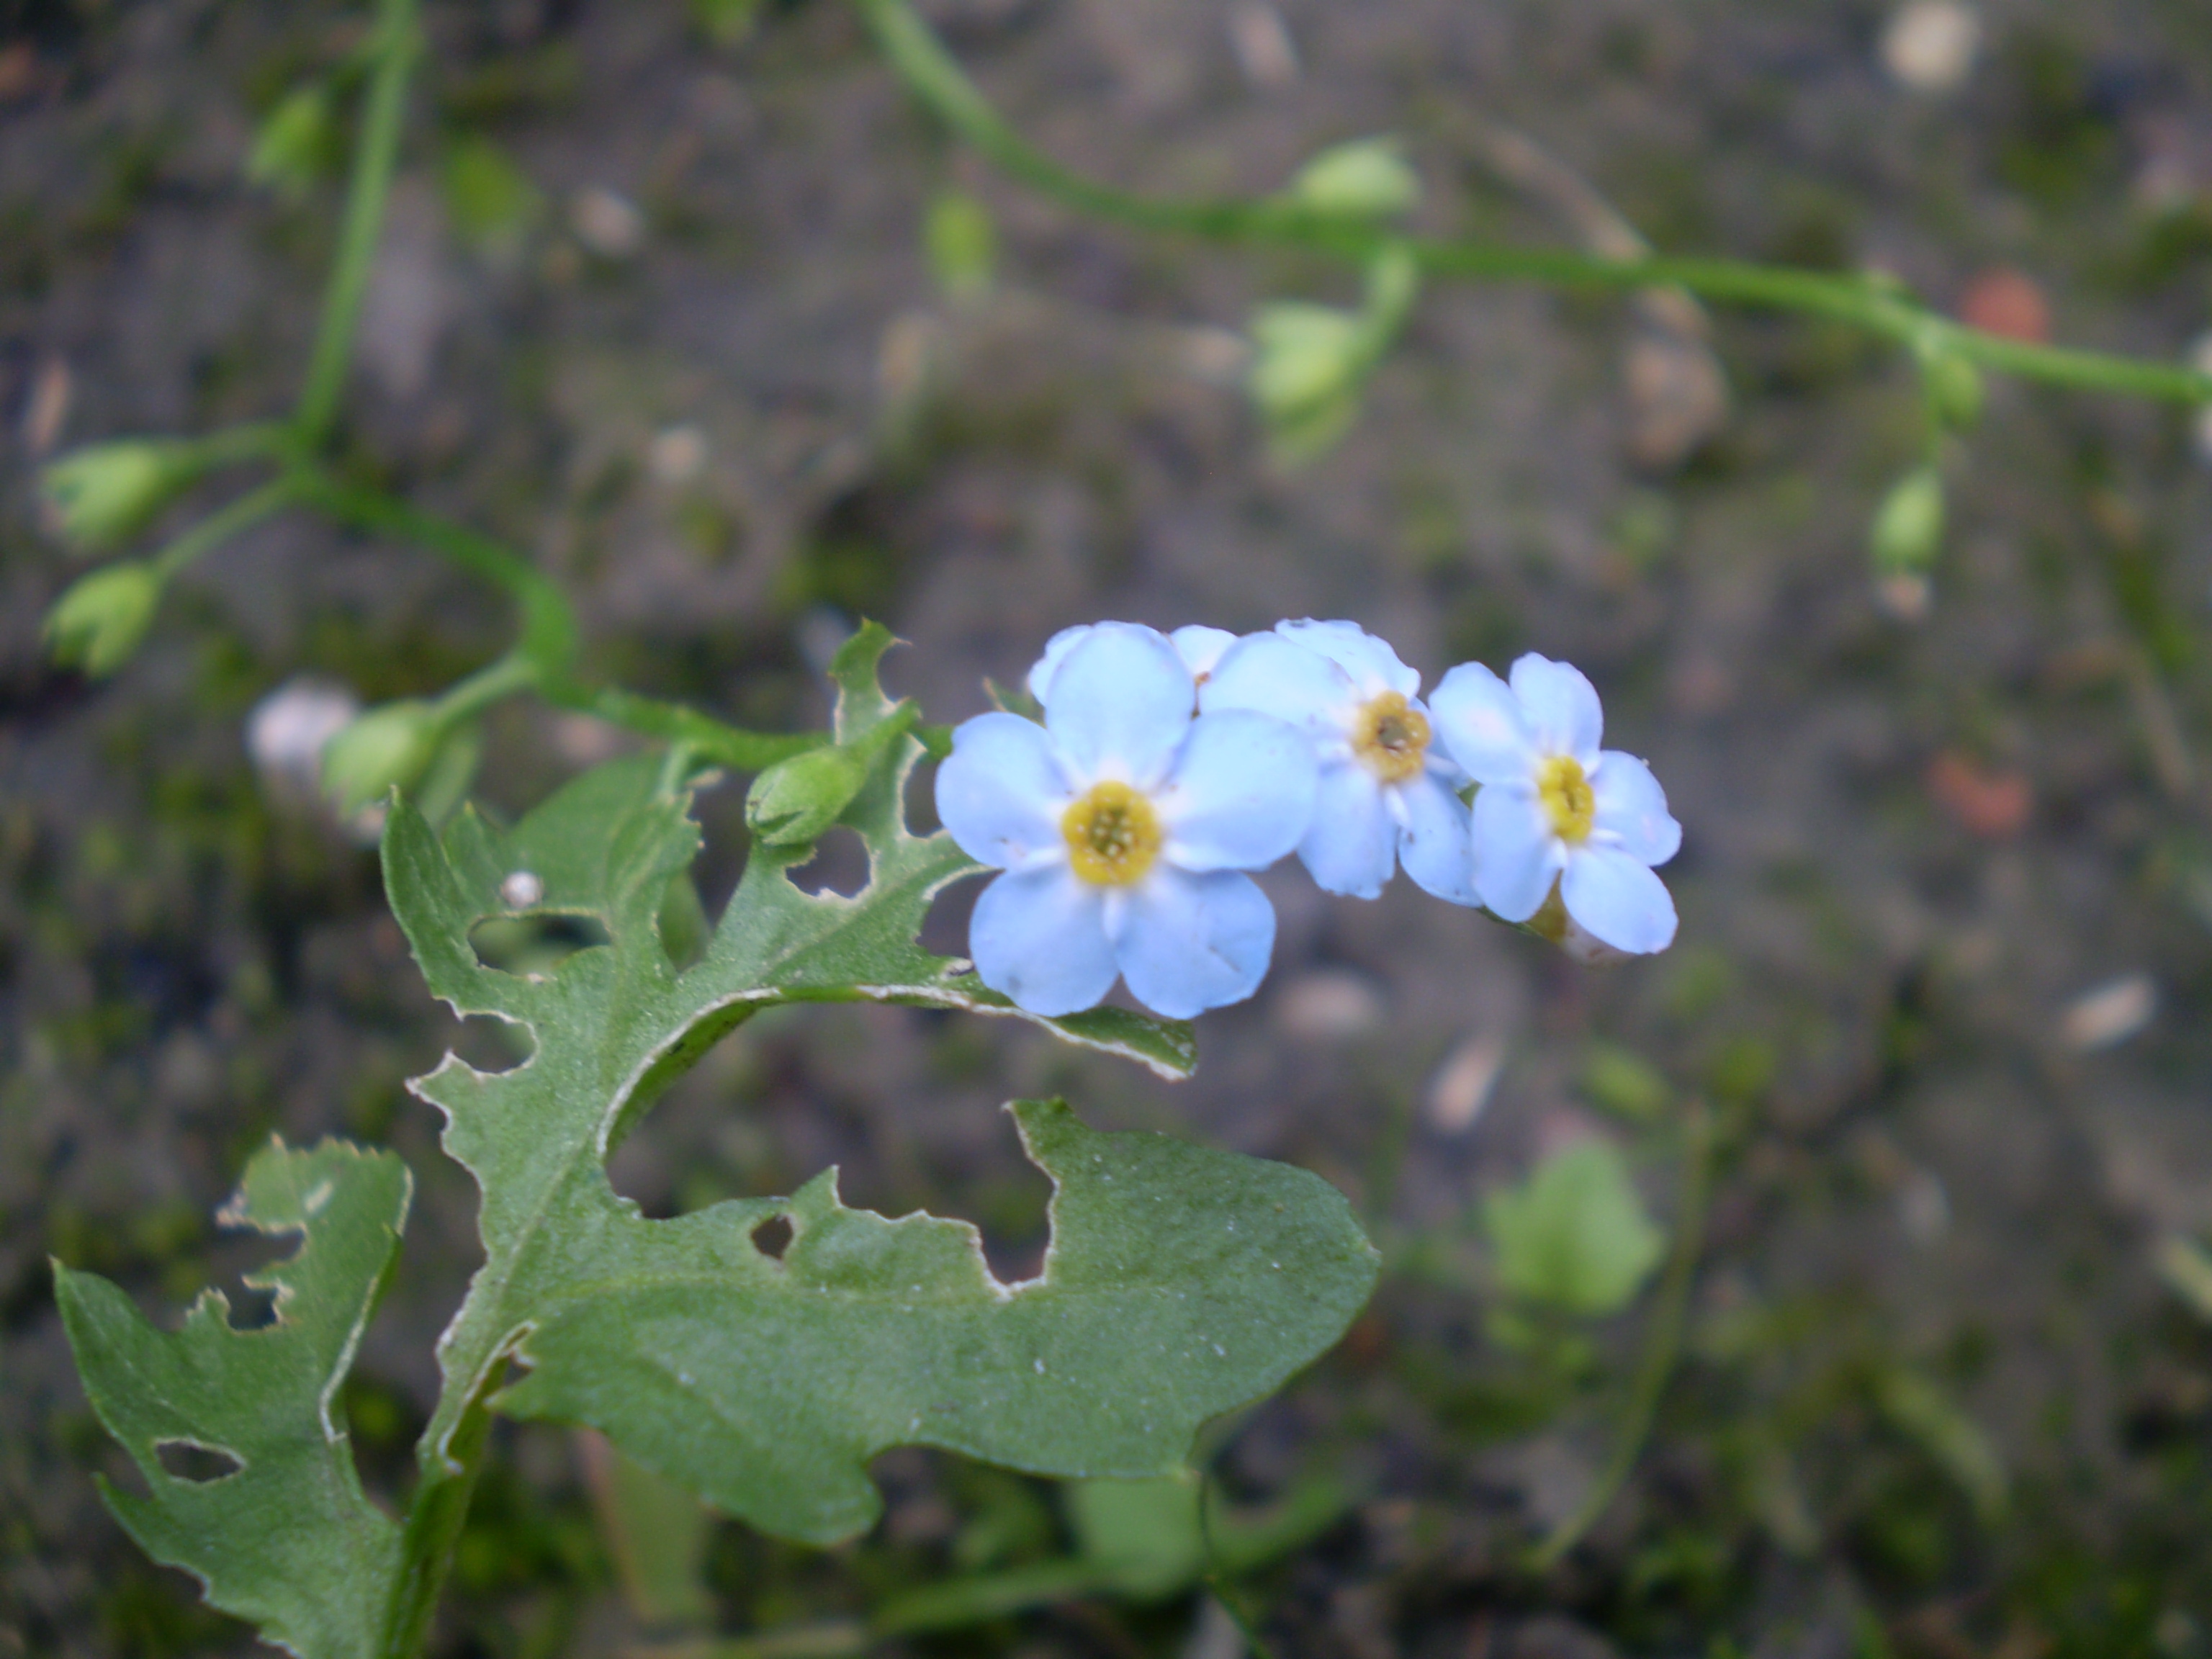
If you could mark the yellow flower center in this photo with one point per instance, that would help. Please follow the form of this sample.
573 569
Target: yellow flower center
1391 739
1113 835
1564 789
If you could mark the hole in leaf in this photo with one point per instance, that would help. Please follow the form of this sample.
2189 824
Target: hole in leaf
188 1460
773 1236
944 925
840 865
252 1309
492 1044
531 946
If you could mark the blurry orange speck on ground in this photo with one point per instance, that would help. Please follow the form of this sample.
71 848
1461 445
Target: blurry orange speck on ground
2003 301
1990 803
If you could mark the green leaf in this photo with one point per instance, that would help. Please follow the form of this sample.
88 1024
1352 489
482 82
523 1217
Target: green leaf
285 1539
1181 1283
1574 1236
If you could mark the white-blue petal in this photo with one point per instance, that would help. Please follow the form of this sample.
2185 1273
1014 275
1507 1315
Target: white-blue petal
1002 792
1478 719
1435 838
1267 672
1055 652
1119 702
1561 708
1039 937
1632 809
1192 942
1619 900
1516 852
1238 794
1200 647
1352 845
1373 666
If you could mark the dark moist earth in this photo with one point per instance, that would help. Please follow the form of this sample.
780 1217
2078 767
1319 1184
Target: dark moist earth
1910 850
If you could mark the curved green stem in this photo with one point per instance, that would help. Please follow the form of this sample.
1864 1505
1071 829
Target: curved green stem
397 42
1662 1346
224 523
932 75
544 658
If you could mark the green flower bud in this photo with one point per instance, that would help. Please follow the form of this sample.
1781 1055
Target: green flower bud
1308 363
104 493
1908 529
962 245
1954 392
290 150
388 747
796 800
98 623
1366 178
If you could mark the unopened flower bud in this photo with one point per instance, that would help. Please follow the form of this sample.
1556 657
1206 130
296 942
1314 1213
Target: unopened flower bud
1366 178
1308 364
796 800
289 151
102 495
97 625
1954 392
1908 529
387 748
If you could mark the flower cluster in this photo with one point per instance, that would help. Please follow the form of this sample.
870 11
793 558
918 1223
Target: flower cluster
1168 765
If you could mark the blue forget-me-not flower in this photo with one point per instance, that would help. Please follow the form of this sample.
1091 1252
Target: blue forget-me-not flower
1121 825
1387 795
1554 806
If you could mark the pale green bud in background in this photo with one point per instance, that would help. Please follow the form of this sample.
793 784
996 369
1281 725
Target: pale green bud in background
1956 392
795 800
1366 178
387 748
962 245
293 145
1308 363
105 492
1908 529
98 623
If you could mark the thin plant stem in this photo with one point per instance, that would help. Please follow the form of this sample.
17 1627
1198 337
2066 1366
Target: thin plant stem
384 106
1878 306
445 1482
1663 1345
1216 1585
549 635
224 523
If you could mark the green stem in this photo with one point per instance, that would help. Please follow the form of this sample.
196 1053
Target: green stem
385 104
221 525
932 75
1662 1346
549 634
549 638
447 1482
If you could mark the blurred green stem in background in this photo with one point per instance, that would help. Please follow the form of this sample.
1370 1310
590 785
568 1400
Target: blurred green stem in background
1871 302
397 43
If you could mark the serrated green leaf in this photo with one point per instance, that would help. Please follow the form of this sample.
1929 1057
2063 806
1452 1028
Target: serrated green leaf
287 1538
1181 1283
1574 1236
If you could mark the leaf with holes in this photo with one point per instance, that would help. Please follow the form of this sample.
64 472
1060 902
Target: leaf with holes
273 1520
1181 1283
